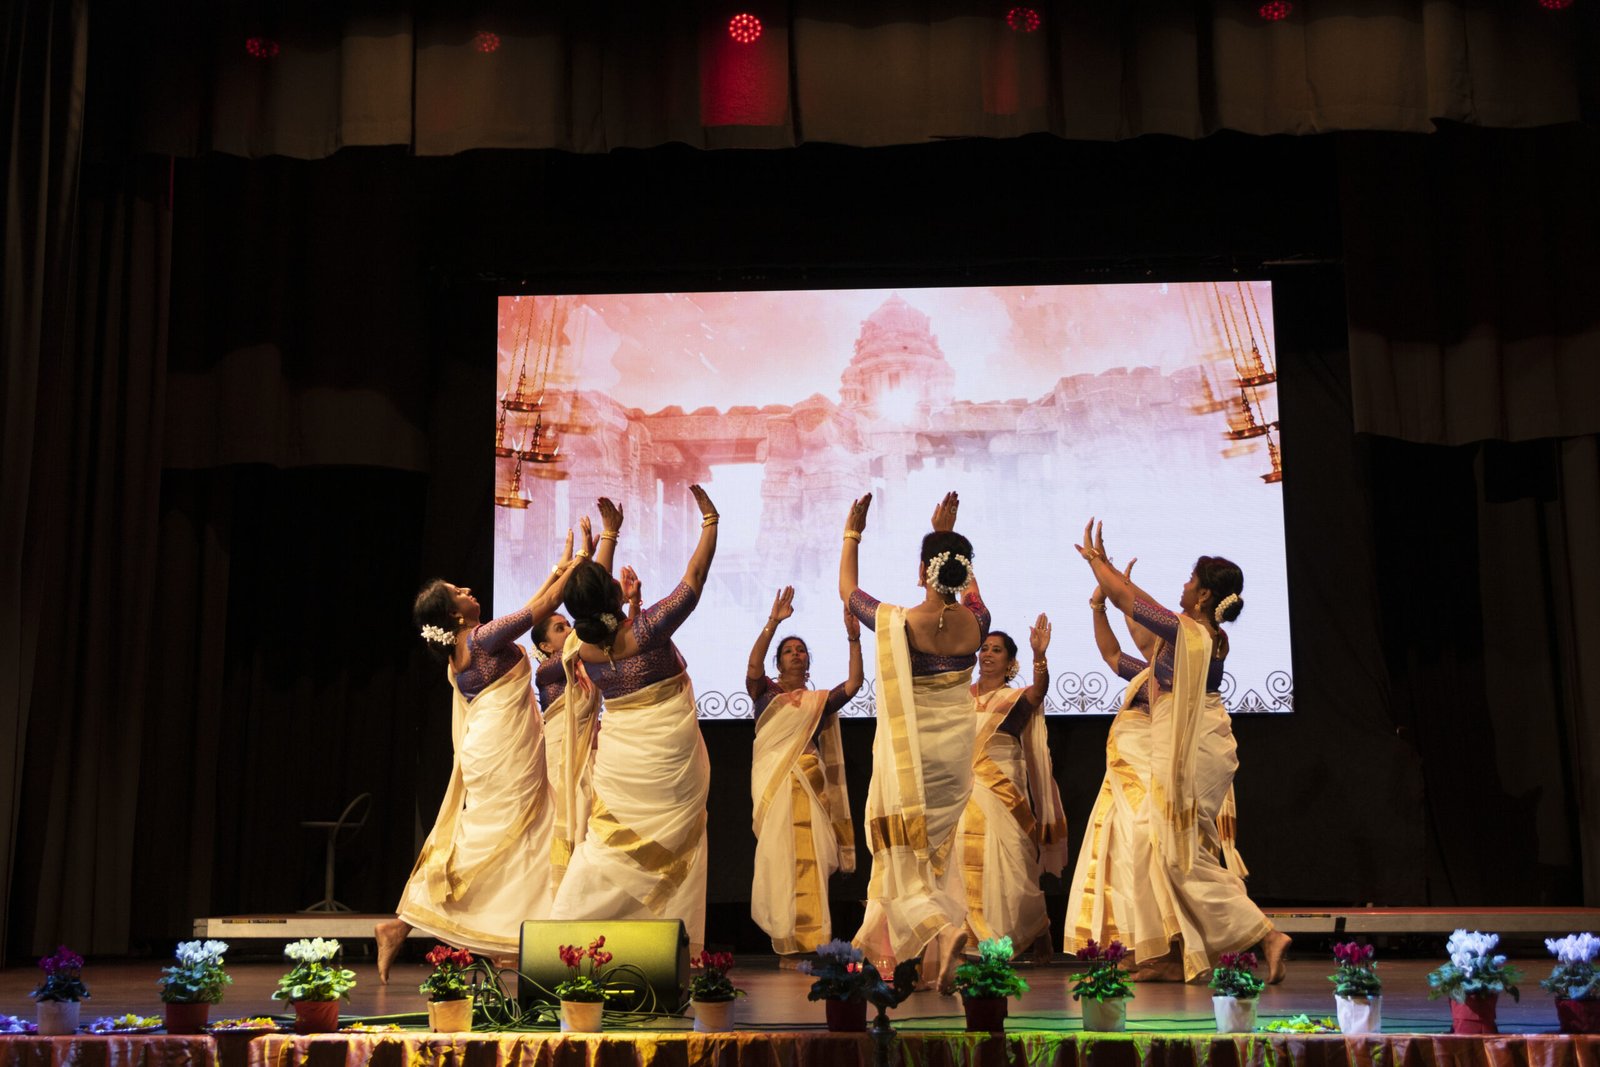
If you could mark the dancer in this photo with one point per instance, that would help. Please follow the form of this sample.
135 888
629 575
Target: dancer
569 775
1202 904
1014 828
485 865
922 753
802 808
643 855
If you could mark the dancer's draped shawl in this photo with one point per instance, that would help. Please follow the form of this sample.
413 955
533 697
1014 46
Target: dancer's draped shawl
801 820
921 779
485 865
644 853
569 726
1013 828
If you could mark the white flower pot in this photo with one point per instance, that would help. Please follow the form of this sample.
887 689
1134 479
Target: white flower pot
1359 1015
450 1016
58 1018
1105 1016
1235 1015
713 1016
582 1016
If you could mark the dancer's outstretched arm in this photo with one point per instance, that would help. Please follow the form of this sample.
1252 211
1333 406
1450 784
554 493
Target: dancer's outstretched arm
852 632
706 550
755 672
1039 641
610 527
850 552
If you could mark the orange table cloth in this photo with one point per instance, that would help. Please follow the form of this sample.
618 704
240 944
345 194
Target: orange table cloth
85 1050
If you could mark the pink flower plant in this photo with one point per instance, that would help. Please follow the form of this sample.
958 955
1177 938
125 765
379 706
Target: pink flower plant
583 987
1105 979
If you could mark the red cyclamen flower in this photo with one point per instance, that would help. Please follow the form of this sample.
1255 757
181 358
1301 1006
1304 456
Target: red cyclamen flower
1116 952
1246 960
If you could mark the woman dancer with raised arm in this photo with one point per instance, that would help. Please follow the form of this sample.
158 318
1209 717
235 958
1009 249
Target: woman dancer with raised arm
801 806
1202 904
922 752
644 853
1014 828
569 777
485 866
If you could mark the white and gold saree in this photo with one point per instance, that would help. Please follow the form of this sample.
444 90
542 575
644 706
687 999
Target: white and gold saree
485 866
801 820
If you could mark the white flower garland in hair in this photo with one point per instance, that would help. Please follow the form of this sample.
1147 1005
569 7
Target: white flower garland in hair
930 574
438 635
609 621
1227 601
539 654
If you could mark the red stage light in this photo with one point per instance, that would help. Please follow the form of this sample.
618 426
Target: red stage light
486 41
1023 19
1555 5
261 47
1275 10
744 28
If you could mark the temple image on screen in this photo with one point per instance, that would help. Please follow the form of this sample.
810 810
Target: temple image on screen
1151 407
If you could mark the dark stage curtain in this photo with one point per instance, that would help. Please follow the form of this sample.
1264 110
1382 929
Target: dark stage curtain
593 78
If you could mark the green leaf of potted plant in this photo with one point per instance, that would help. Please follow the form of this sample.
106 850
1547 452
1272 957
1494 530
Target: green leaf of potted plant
59 993
1473 980
1575 981
1357 989
193 984
986 983
583 995
1234 989
1105 988
712 992
449 990
315 984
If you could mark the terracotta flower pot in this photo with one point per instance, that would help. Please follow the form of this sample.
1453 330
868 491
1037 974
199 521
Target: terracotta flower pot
1578 1016
846 1016
1105 1016
186 1018
1475 1015
450 1016
316 1016
58 1018
582 1016
1234 1015
985 1014
713 1016
1359 1015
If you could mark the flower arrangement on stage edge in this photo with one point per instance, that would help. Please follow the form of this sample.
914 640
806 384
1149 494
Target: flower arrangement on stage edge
193 985
1357 989
315 984
59 993
449 990
1104 988
1235 987
583 995
11 1024
1575 982
986 983
846 981
712 992
1473 980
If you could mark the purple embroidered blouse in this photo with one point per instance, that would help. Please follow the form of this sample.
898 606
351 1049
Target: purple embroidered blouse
658 658
865 609
1164 624
494 652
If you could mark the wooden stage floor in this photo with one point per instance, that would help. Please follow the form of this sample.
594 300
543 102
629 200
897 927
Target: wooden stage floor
777 998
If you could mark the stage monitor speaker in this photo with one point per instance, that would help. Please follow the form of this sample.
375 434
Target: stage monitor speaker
658 948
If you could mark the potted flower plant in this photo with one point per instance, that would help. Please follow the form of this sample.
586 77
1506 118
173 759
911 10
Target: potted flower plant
1473 980
58 995
1357 989
1234 989
315 984
987 982
712 993
196 982
583 996
1575 981
1104 988
844 980
449 990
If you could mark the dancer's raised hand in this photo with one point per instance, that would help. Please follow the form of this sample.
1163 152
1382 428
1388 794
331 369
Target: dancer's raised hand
1039 636
707 508
1087 549
588 537
782 604
566 553
632 590
856 521
852 625
610 514
944 515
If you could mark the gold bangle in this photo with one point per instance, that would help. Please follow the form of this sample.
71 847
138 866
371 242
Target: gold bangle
709 520
852 640
608 535
1100 607
853 535
1041 668
583 554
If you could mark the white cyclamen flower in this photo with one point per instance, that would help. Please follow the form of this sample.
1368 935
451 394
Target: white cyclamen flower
1574 948
311 950
195 952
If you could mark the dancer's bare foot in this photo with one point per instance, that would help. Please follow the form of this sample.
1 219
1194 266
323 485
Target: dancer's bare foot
928 973
955 941
1275 947
1043 950
1162 969
391 935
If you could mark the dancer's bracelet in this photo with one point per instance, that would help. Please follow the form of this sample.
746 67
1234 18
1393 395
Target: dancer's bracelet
709 520
853 535
582 554
608 535
1098 605
1041 667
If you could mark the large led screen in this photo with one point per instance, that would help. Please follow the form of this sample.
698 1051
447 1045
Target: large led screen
1152 407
